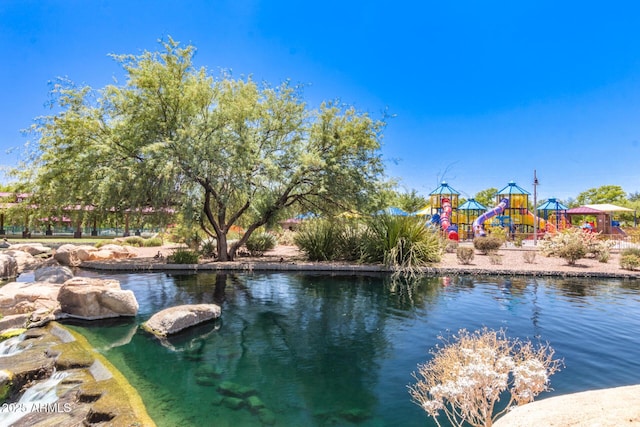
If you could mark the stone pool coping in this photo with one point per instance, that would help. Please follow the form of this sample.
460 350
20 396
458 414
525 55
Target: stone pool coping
154 265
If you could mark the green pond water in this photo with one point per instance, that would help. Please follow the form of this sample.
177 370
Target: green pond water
323 350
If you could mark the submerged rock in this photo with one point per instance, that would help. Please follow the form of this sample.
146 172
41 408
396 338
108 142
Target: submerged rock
175 319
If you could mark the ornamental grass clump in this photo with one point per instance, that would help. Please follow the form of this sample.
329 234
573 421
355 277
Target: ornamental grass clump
260 242
318 238
469 374
402 243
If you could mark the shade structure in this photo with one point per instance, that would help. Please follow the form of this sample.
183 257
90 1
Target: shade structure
472 205
467 213
603 214
443 191
554 212
516 215
392 210
422 212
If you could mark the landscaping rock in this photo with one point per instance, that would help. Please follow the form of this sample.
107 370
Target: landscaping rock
175 319
68 254
31 248
8 267
90 299
25 260
23 297
52 274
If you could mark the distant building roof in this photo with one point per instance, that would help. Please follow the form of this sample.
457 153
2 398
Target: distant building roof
608 207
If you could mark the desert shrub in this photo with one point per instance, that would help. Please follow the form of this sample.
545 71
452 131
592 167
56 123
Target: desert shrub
495 258
518 241
487 244
136 241
630 259
529 256
102 243
402 243
465 254
450 246
604 256
572 252
286 237
350 241
573 244
152 242
469 374
208 248
318 238
260 242
183 256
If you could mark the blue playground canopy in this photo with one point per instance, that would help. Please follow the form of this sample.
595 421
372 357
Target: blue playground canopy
472 205
392 210
444 189
552 205
512 188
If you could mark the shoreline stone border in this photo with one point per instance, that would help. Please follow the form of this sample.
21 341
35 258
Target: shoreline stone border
150 265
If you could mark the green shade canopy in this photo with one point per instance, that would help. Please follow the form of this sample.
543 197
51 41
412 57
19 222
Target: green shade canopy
512 188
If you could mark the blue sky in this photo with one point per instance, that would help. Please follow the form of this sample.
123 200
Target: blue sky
483 93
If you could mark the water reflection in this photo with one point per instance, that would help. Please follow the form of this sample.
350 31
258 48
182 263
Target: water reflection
339 349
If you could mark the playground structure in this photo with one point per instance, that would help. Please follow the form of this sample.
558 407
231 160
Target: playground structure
444 205
511 212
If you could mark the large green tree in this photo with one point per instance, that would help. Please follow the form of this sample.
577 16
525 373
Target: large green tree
603 194
220 150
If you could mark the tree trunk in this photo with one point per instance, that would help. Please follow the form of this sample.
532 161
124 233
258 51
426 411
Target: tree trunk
221 243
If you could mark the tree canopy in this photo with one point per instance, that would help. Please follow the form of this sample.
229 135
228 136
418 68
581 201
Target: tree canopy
219 150
603 194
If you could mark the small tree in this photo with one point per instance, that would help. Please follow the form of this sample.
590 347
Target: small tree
466 377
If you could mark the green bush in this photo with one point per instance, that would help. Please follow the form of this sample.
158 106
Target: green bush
152 242
208 248
318 239
184 256
529 256
487 244
136 241
465 254
451 246
400 242
260 242
630 259
572 252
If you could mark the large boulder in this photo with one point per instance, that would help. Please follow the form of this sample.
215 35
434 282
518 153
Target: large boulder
25 260
175 319
8 267
52 274
67 254
28 297
31 248
88 298
72 255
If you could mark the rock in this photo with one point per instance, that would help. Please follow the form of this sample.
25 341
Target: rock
24 259
23 297
175 319
88 298
68 254
72 255
31 248
6 380
8 267
52 274
228 388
